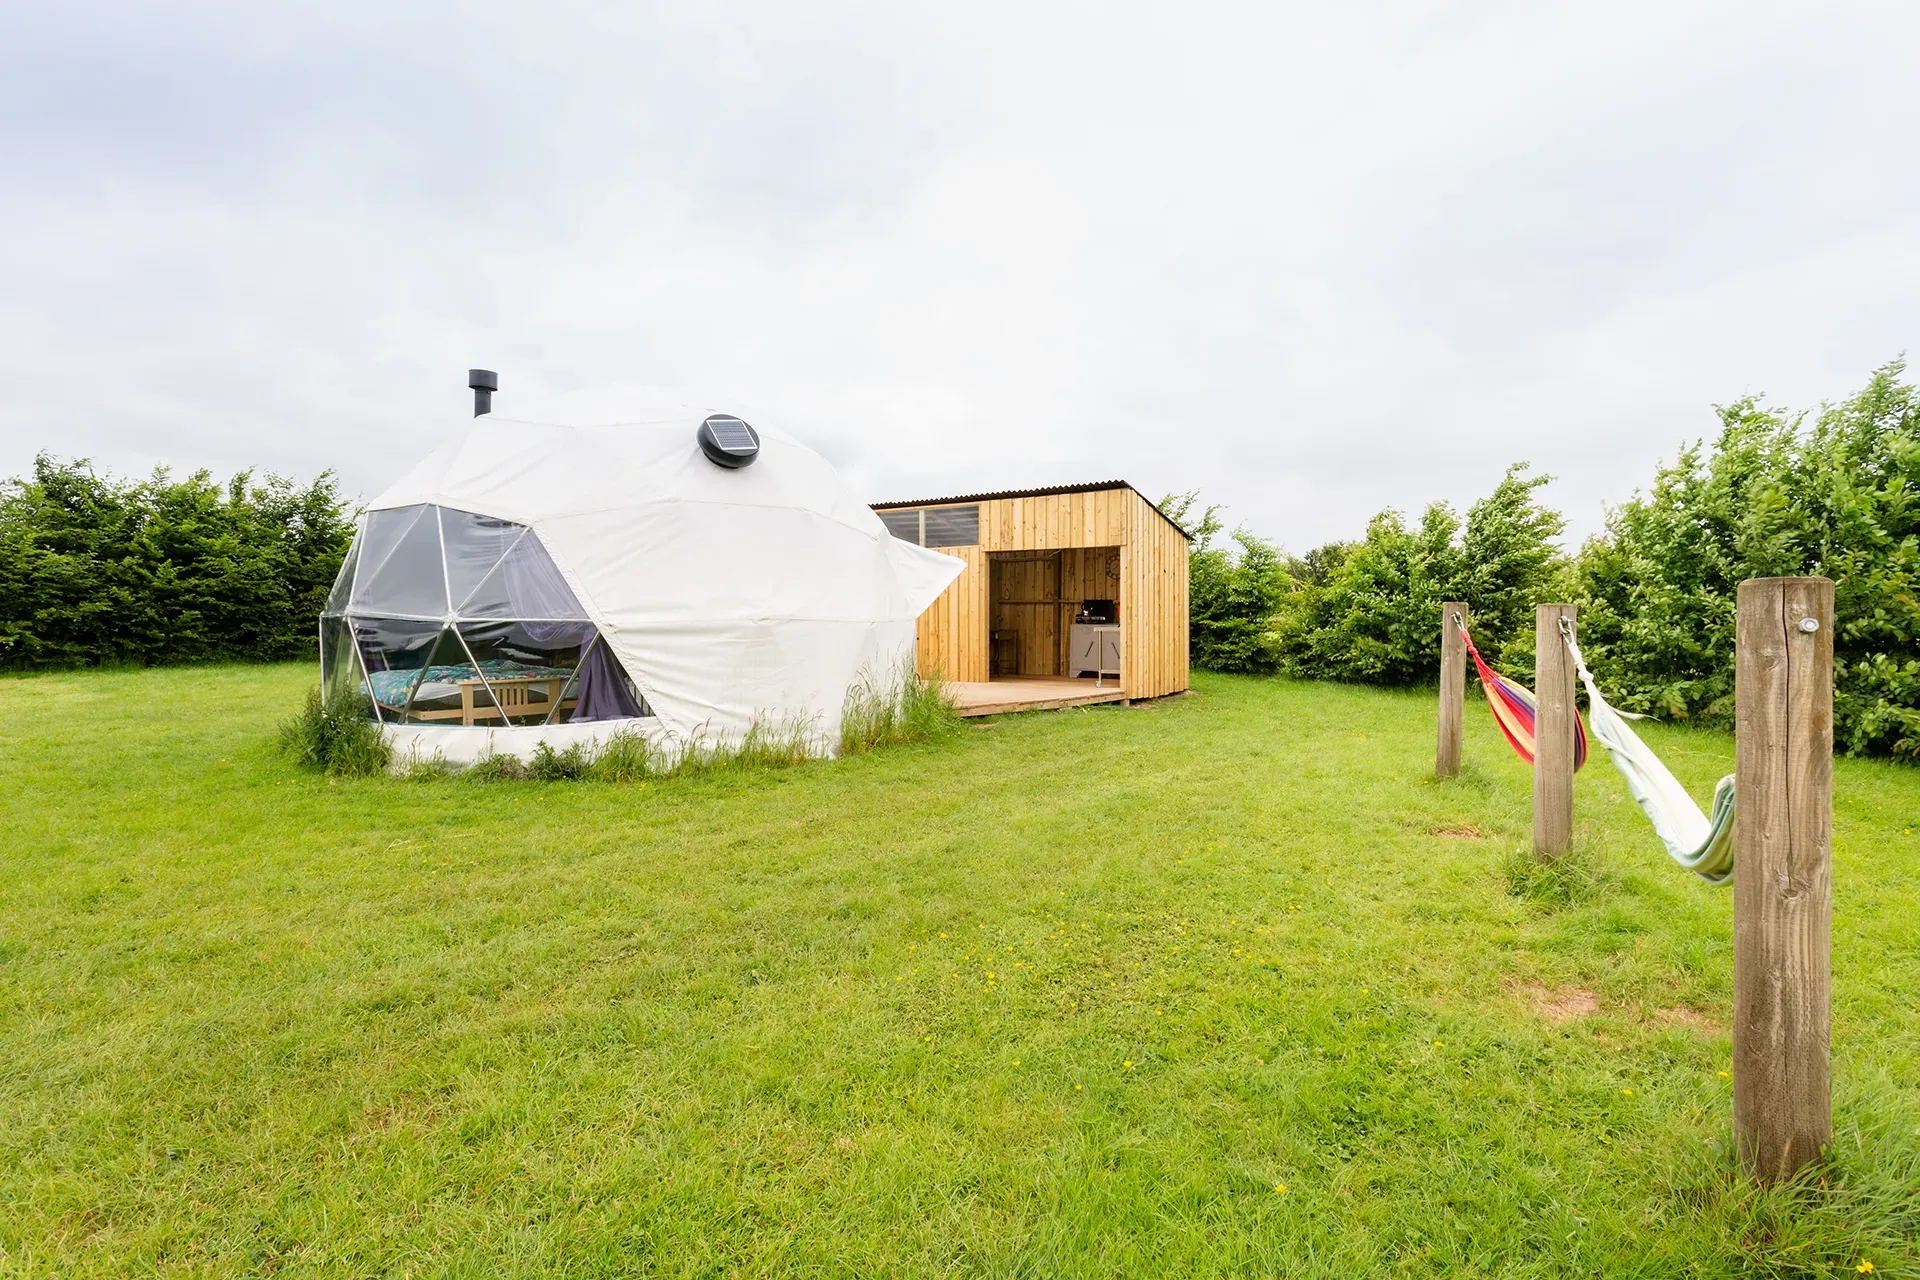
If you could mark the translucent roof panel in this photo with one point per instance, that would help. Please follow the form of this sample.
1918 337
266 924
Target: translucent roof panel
526 584
474 545
343 584
401 570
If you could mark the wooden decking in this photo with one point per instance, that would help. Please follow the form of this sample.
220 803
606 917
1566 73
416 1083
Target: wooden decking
1029 693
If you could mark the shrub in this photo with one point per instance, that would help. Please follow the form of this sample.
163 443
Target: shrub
1232 594
1771 497
1369 611
336 736
98 570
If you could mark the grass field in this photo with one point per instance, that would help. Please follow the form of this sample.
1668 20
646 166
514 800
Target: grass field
1223 985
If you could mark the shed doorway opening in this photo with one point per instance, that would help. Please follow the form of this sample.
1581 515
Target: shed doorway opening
1055 613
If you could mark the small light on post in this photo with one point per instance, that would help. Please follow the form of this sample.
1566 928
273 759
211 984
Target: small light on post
483 382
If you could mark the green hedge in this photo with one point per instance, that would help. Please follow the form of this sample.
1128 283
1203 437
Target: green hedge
1835 493
100 570
1775 495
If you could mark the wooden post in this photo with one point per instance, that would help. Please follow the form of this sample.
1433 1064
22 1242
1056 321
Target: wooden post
1453 691
1782 876
1552 733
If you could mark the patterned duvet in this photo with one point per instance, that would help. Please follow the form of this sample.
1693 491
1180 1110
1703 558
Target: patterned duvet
391 687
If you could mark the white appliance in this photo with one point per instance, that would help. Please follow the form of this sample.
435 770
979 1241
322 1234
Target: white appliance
1095 648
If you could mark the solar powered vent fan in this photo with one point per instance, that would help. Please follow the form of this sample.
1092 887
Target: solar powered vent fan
729 442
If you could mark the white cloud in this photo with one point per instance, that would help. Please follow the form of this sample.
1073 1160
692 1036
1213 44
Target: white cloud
1311 261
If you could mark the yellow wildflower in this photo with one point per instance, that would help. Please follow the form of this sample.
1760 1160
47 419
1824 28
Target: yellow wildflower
1865 1267
1280 1186
1128 1064
1627 1092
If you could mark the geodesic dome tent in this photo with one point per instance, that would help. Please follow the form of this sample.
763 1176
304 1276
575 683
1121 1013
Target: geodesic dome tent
533 582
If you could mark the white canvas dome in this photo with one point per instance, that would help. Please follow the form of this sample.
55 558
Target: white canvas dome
727 595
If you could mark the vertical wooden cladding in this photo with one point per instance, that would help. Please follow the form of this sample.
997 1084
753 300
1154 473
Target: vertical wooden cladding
1153 607
1151 586
953 630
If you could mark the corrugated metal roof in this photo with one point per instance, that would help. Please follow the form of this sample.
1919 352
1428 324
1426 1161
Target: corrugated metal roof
1092 487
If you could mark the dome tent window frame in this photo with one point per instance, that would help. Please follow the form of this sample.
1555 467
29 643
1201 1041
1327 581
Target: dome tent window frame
445 616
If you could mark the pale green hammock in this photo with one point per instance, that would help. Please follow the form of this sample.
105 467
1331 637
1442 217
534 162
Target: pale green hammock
1701 844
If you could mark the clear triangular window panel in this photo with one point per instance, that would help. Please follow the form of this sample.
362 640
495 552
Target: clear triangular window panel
474 545
525 584
528 665
343 584
401 570
451 690
339 667
395 651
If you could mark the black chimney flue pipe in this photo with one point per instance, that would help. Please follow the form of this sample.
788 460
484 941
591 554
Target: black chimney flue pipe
484 383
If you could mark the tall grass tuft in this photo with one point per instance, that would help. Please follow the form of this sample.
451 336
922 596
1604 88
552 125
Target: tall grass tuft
624 756
336 736
767 744
571 765
899 707
774 744
494 767
340 738
1574 877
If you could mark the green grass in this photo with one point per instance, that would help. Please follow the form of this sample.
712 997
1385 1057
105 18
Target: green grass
1069 994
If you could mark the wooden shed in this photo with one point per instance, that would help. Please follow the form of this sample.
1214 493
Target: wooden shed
1071 595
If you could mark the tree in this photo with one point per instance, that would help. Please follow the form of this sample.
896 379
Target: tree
1232 591
1773 496
97 570
1369 611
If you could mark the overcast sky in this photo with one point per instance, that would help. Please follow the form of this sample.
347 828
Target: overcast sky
1310 260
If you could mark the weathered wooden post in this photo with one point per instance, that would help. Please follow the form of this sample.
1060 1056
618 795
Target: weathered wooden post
1782 872
1453 689
1552 733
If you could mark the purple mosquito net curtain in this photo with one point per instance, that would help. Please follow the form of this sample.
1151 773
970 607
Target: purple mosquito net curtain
536 590
603 693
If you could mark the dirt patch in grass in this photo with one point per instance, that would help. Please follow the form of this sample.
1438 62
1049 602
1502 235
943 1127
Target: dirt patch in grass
1460 831
1560 1005
1687 1016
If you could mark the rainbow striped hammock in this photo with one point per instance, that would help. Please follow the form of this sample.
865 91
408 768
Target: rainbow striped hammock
1513 706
